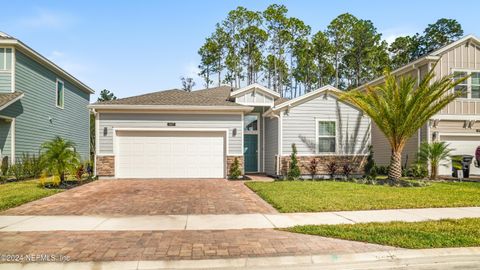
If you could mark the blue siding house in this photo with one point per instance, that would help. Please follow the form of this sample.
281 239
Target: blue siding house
38 101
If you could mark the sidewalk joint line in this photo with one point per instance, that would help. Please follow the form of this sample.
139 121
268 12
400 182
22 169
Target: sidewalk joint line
186 223
273 224
15 223
105 219
338 214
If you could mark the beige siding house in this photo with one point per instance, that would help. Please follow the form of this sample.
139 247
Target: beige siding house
459 123
199 134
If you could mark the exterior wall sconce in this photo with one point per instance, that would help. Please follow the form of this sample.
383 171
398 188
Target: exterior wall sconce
234 132
105 131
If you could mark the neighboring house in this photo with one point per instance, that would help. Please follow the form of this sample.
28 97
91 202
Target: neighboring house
178 134
459 123
38 100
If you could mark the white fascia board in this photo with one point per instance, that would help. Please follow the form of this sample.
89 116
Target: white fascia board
292 102
464 117
11 102
255 86
169 107
456 43
45 62
407 67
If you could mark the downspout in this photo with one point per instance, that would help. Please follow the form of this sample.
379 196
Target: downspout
95 113
279 143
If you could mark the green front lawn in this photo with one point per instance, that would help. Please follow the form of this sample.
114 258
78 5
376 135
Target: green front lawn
427 234
17 193
309 196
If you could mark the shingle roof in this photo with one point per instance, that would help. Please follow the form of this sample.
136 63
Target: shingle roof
5 98
280 100
217 96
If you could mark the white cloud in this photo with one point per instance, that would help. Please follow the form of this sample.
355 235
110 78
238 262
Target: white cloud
391 34
70 64
191 70
43 18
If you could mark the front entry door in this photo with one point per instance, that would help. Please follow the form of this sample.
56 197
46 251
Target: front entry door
250 152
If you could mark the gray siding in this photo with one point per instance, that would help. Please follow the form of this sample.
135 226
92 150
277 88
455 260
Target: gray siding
382 150
298 126
159 120
37 118
5 81
5 137
271 144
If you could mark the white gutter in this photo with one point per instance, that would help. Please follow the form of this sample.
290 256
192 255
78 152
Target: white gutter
44 61
169 107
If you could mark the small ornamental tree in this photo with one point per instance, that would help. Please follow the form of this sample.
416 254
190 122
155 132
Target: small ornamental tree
370 164
235 171
313 168
293 170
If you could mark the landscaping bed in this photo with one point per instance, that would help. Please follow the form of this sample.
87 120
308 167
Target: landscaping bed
321 196
426 234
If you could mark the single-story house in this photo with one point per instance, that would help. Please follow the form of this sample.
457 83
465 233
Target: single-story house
199 134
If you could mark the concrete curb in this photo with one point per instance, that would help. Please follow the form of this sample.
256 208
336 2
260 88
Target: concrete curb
383 259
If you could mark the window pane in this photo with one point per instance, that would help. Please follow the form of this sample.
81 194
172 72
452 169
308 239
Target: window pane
326 145
475 91
2 58
458 75
250 122
326 128
60 94
8 57
461 88
475 78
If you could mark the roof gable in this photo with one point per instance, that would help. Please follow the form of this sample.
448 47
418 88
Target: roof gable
255 87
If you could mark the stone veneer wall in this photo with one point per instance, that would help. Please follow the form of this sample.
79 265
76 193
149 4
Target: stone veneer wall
230 160
105 165
358 162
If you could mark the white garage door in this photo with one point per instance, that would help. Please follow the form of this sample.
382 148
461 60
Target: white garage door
154 154
462 145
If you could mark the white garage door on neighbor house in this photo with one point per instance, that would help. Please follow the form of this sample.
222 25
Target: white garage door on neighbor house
461 145
164 154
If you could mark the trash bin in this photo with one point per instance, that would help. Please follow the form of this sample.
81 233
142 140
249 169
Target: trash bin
463 162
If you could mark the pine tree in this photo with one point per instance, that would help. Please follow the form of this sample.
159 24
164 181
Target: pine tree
293 170
235 172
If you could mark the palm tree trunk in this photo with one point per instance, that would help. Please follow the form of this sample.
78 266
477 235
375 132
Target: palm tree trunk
395 168
433 168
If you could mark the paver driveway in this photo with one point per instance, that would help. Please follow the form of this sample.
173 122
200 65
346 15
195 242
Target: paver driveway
149 197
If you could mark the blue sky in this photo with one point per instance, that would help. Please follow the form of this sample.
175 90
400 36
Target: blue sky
134 47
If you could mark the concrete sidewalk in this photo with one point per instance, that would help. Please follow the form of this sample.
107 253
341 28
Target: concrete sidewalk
447 258
225 222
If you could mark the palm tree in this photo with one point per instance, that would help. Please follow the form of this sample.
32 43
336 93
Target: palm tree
60 156
399 107
434 153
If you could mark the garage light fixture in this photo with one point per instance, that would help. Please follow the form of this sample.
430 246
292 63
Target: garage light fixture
105 131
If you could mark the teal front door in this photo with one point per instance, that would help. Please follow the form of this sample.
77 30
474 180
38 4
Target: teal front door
250 152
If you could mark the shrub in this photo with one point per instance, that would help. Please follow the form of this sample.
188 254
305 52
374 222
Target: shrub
33 165
43 179
347 170
79 171
293 170
4 167
417 170
18 171
56 181
433 153
332 168
60 156
313 168
382 170
235 171
370 164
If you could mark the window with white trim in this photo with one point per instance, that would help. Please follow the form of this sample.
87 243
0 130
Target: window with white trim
60 92
5 59
470 88
327 137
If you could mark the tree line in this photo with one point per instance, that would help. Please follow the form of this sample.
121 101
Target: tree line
281 52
